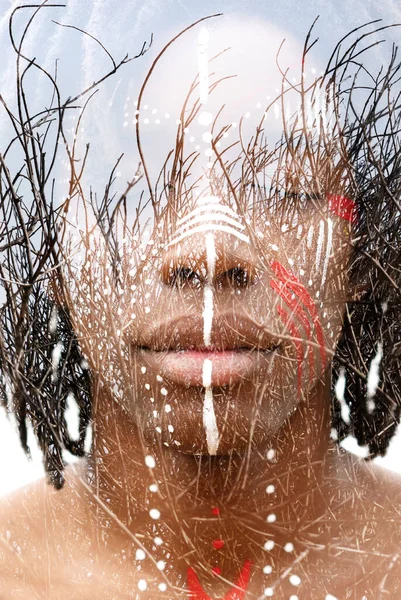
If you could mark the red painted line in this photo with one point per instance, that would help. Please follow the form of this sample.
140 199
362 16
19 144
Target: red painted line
216 570
299 289
237 592
343 207
282 290
294 331
218 544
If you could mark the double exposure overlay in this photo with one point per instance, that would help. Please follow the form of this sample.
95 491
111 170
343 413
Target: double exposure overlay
221 307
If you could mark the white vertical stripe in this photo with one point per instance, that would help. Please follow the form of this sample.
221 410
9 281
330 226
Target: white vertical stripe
328 249
209 422
319 245
310 237
207 373
339 390
208 307
374 378
209 417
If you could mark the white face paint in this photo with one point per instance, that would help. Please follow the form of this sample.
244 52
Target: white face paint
310 237
208 292
329 244
209 417
319 247
214 216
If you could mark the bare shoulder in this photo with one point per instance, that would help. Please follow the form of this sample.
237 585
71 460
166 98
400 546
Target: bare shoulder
27 509
53 546
370 497
38 527
372 481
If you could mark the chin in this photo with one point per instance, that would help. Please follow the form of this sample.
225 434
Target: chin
238 433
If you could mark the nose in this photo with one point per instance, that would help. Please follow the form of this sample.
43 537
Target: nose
211 258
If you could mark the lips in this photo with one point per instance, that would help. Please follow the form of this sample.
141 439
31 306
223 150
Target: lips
176 351
228 367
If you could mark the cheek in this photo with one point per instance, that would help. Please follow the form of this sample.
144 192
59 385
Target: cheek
308 279
98 318
300 318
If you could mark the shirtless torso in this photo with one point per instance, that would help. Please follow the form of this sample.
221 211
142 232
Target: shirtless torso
62 545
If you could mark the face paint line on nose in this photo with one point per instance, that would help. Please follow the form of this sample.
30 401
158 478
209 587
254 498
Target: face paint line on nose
209 417
208 310
208 299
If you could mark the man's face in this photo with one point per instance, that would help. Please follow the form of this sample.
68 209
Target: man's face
210 340
224 311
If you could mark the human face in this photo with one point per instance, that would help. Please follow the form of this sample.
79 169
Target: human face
223 312
214 340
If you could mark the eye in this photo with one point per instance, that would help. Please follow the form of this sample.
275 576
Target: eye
302 198
183 276
237 277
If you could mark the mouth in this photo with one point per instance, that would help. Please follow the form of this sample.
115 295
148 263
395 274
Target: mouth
226 367
239 348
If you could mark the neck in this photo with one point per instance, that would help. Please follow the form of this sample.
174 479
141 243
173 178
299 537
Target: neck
214 515
293 462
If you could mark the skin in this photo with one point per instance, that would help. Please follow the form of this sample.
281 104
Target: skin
277 475
338 512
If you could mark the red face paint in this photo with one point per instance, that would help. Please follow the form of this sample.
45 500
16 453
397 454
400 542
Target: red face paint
293 283
237 592
298 311
294 331
343 207
218 544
